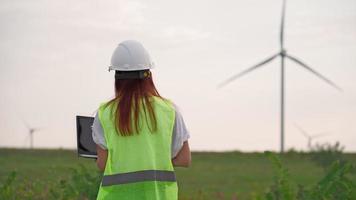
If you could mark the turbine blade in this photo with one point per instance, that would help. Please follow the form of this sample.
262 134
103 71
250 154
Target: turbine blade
302 131
314 72
281 35
248 70
27 126
37 129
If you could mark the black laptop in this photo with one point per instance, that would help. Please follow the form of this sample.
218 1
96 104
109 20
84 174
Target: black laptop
85 144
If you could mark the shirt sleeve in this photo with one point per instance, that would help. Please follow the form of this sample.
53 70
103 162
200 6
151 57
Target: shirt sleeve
180 133
98 132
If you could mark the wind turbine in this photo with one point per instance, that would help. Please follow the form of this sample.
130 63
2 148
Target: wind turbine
283 55
310 137
31 132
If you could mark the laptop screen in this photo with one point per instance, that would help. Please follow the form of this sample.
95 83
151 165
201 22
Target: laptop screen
85 144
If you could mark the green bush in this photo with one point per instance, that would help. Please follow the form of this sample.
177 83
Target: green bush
82 185
26 190
325 154
282 188
7 190
335 185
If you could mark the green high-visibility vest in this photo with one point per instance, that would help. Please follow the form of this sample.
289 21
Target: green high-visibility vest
139 166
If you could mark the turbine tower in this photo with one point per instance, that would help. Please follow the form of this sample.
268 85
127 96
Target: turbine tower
31 132
283 55
310 137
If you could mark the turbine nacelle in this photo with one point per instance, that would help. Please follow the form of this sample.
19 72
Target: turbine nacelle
283 52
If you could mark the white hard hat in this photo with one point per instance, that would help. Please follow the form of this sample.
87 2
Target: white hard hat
130 55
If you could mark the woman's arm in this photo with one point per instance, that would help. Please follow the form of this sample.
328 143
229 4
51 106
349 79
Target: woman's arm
183 158
102 157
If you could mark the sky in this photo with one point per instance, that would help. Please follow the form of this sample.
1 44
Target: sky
54 57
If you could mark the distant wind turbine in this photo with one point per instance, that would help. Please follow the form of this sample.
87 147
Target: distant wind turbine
31 132
310 137
283 55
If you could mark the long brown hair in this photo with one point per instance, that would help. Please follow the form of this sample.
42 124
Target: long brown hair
130 96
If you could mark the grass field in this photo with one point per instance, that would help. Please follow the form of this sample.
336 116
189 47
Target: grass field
210 175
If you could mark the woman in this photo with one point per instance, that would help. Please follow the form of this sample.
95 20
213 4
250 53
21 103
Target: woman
140 135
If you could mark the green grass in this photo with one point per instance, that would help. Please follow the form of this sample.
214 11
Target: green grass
210 174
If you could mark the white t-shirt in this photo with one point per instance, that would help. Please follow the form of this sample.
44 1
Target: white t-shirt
180 133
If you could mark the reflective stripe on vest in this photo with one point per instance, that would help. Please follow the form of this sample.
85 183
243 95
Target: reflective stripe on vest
145 175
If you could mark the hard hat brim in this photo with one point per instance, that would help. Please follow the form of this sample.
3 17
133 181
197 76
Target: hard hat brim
132 68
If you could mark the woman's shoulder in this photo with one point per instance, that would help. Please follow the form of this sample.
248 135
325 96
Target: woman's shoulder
165 102
106 106
107 103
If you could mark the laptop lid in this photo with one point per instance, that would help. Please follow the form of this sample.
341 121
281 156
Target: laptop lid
85 144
